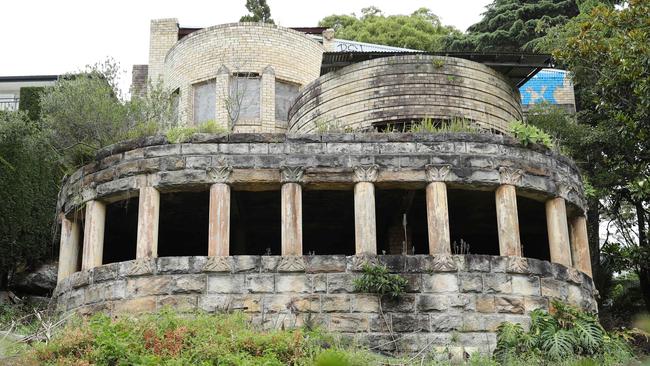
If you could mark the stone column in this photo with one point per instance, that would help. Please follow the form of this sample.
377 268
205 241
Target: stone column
69 248
219 227
558 231
580 244
365 231
437 209
292 210
267 99
148 218
507 216
93 247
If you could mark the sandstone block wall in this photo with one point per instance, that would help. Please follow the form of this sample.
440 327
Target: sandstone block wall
407 88
464 297
474 161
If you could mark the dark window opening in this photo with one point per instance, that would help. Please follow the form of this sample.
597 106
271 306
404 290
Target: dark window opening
532 228
183 226
328 222
121 231
255 223
81 221
401 221
473 222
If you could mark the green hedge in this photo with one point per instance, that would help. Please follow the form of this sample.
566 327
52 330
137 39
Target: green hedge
30 101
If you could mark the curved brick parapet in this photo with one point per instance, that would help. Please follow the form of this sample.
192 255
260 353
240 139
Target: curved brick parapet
467 295
406 88
474 162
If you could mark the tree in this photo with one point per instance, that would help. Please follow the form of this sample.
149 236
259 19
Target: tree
259 12
422 30
514 25
29 180
607 49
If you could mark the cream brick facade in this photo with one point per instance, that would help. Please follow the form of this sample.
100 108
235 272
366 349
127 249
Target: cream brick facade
267 51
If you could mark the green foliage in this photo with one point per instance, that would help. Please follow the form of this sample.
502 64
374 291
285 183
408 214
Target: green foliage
30 101
529 134
180 134
429 125
376 279
29 181
331 126
513 25
259 12
167 338
422 30
566 333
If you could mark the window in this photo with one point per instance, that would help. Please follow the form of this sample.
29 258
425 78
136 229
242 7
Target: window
285 93
244 100
175 99
205 101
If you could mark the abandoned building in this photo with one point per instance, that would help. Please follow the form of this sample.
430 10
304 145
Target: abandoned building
277 217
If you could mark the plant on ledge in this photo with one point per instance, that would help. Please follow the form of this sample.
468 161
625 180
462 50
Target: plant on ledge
377 280
528 134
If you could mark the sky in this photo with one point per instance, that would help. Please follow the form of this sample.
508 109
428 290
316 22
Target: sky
46 37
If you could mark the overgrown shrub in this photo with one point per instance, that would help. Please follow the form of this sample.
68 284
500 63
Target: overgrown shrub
562 334
30 101
528 134
377 280
183 133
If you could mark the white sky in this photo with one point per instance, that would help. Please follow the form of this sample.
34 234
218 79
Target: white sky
42 37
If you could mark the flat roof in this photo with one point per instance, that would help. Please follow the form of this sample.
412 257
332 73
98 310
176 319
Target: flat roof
29 78
518 67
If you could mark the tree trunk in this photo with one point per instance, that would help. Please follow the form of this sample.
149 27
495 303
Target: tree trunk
644 266
601 278
4 280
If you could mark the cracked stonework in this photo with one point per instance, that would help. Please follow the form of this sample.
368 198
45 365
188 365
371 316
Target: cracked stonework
292 174
219 174
217 264
291 264
437 173
510 176
366 173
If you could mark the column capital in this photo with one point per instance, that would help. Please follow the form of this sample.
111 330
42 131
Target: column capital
220 173
437 172
512 176
292 174
366 173
563 190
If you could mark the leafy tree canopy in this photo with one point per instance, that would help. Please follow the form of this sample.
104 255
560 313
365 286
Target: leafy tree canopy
421 30
259 12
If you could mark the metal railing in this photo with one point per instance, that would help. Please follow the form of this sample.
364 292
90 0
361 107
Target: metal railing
9 104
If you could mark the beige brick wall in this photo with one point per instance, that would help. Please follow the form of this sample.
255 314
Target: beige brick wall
241 48
407 87
163 35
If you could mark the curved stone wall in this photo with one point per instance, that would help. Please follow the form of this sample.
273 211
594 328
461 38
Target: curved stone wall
399 88
475 161
464 295
257 48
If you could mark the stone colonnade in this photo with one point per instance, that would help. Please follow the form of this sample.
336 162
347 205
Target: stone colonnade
568 242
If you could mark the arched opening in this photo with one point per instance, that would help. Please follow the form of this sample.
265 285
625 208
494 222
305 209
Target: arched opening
473 222
121 231
328 222
255 223
401 221
183 226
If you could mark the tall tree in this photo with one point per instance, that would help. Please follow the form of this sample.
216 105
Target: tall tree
422 30
607 49
513 25
260 12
